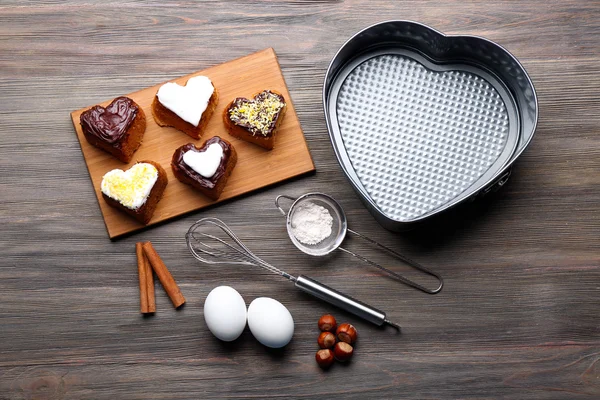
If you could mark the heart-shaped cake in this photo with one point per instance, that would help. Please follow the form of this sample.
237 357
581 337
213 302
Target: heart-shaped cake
117 129
206 168
135 191
187 108
256 120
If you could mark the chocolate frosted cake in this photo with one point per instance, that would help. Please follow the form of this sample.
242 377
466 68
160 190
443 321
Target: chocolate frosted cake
256 120
205 168
117 129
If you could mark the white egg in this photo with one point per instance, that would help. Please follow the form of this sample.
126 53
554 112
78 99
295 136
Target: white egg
225 313
270 322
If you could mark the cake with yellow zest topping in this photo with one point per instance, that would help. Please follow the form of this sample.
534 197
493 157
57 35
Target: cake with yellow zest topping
136 191
256 120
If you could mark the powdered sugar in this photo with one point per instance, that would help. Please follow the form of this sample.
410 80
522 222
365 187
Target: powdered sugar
311 223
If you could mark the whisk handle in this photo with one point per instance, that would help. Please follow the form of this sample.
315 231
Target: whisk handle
342 301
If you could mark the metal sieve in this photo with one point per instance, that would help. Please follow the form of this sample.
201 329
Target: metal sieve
338 229
421 121
338 233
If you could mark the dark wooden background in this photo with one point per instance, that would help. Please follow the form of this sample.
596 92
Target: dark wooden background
518 317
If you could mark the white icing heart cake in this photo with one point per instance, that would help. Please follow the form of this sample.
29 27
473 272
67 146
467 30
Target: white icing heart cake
206 168
136 190
205 163
186 108
131 188
189 101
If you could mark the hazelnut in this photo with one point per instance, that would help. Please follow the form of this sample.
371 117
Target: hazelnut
326 340
324 358
327 323
346 333
343 351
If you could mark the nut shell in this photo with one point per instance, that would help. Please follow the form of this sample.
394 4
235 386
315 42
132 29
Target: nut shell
343 351
324 358
326 340
327 323
346 333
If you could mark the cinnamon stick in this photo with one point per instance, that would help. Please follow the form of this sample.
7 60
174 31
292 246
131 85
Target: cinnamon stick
142 263
149 285
146 281
163 274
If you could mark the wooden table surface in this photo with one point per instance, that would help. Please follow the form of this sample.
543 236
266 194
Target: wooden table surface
518 316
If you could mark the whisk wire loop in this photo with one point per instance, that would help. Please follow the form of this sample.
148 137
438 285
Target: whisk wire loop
210 248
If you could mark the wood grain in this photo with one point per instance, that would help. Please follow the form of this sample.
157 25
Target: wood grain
517 318
256 168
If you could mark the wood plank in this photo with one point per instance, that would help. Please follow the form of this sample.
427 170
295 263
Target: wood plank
256 167
517 318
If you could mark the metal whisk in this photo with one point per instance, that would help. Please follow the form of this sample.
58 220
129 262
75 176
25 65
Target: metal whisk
211 241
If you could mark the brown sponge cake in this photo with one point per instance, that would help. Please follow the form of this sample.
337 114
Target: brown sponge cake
136 191
196 168
256 120
186 108
117 129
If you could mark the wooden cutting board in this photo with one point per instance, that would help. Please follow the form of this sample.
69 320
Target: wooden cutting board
256 167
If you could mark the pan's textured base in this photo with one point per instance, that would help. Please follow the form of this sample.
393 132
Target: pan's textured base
418 138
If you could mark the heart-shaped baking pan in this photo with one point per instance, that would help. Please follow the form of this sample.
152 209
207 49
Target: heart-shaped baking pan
421 121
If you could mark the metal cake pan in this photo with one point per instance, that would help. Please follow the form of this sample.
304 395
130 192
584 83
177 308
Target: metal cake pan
421 121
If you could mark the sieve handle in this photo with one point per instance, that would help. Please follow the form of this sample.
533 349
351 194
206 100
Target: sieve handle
279 206
342 301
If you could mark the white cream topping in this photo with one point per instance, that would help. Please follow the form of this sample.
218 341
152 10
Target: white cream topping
205 163
189 101
131 188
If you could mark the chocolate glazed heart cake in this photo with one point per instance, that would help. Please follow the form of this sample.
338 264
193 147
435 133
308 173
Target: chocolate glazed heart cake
117 129
256 120
205 168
